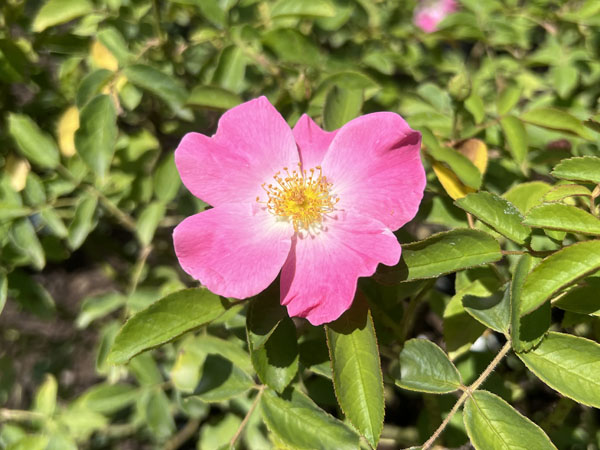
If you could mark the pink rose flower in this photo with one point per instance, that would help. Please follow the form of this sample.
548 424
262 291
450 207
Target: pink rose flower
431 12
317 206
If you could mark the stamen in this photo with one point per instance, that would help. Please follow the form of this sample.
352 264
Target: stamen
301 196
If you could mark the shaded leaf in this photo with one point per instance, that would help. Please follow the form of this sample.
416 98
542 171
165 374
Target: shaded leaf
341 106
424 367
516 136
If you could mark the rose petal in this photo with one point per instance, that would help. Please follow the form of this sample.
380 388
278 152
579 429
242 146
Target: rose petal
312 141
318 280
375 167
235 250
251 144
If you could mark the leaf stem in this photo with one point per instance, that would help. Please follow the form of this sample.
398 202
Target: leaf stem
467 391
247 417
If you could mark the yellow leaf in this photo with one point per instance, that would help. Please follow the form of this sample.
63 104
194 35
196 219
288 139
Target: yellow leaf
17 170
476 151
453 186
103 58
66 128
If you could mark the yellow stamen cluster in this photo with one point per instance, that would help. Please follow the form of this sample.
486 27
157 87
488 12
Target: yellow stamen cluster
301 196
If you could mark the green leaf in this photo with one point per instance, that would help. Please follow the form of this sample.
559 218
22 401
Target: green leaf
166 179
231 69
492 311
341 106
98 306
460 165
516 136
496 212
442 253
55 12
45 397
82 223
582 299
23 237
568 364
565 79
555 119
54 222
301 424
165 320
158 414
37 146
272 341
97 134
221 380
356 369
109 398
91 85
148 221
305 8
527 195
292 46
559 271
164 86
526 330
492 424
112 39
213 97
474 104
30 295
424 367
508 98
563 191
558 216
212 10
585 168
461 330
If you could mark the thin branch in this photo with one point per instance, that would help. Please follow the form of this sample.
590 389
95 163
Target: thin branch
18 415
247 417
467 392
183 435
470 221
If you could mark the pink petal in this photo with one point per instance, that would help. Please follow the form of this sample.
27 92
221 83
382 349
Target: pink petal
235 250
251 144
318 280
312 141
375 167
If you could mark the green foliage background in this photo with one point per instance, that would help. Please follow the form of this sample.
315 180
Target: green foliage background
95 96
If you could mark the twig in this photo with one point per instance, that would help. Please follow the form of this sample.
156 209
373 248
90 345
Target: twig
467 392
470 221
183 435
19 415
247 417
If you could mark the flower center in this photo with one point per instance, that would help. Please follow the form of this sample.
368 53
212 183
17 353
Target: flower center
301 196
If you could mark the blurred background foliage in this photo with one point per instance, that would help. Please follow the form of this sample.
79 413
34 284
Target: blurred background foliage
95 96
